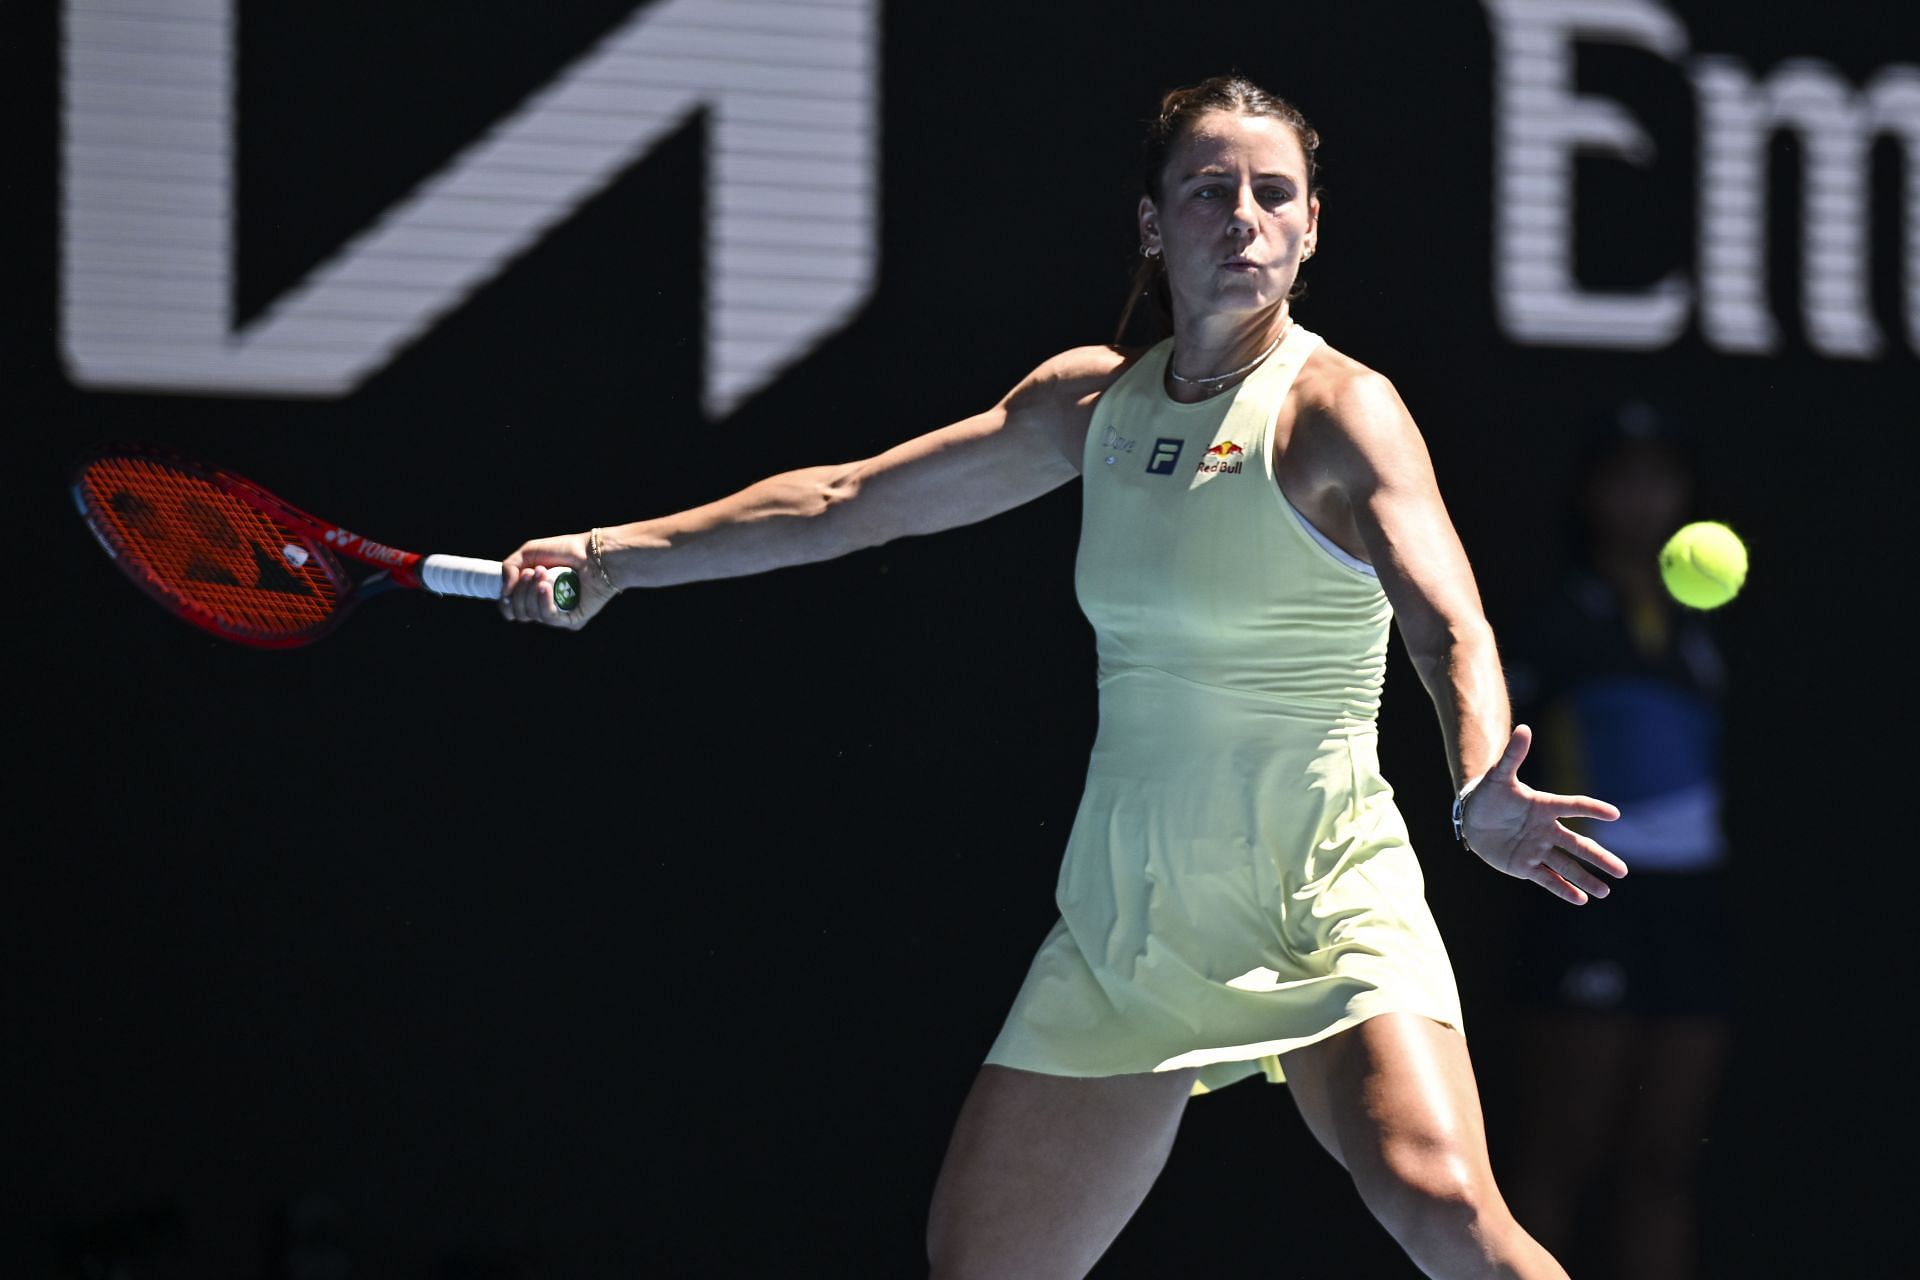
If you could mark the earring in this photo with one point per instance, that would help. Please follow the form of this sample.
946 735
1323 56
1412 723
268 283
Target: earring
1307 254
1146 251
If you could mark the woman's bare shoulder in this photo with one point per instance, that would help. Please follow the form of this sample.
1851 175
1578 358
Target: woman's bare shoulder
1070 384
1084 369
1335 390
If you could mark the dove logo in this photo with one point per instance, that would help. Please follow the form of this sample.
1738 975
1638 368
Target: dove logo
1224 459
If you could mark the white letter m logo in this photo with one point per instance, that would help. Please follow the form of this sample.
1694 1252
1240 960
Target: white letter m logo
148 225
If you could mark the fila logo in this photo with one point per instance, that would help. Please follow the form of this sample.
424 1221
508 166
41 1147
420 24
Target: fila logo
790 93
1165 455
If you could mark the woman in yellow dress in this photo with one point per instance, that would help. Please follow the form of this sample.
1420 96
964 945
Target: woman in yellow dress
1238 895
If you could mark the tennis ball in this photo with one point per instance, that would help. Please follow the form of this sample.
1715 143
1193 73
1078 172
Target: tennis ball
1704 565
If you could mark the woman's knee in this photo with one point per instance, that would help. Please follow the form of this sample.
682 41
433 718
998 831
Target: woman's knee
1430 1190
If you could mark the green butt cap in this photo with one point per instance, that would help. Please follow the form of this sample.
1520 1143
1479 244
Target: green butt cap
566 590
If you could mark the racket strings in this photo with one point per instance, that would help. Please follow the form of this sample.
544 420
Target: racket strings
206 551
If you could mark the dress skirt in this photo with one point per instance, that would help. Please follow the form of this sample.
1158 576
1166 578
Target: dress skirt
1238 884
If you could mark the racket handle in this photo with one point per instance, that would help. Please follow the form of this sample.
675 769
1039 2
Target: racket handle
480 579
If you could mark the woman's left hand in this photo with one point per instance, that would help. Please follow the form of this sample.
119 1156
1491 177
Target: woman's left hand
1518 830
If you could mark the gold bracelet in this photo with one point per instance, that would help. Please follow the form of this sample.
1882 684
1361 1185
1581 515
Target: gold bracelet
599 565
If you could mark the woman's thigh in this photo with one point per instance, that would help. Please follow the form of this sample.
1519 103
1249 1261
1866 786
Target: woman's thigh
1395 1100
1043 1171
1395 1086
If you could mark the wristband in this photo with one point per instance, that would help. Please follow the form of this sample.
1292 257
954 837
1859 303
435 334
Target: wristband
1460 813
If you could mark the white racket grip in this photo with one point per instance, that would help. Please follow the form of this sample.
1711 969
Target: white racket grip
480 579
461 576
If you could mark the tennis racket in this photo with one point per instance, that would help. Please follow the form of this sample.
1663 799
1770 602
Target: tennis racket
222 553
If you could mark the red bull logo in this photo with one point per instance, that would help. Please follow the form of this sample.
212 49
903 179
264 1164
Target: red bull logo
1217 458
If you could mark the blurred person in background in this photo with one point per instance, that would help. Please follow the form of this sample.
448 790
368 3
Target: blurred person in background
1624 1010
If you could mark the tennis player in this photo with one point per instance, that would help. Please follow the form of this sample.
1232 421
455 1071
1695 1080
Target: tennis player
1239 896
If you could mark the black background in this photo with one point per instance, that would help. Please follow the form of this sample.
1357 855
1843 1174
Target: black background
671 947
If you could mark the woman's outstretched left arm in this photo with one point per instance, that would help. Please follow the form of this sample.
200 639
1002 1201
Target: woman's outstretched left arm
1368 445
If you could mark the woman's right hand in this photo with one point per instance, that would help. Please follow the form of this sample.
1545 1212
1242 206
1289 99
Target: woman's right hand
526 588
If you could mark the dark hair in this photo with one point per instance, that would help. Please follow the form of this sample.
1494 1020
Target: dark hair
1632 424
1179 108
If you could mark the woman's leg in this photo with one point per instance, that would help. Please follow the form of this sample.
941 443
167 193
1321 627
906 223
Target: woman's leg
1678 1068
1043 1171
1632 1143
1394 1100
1564 1109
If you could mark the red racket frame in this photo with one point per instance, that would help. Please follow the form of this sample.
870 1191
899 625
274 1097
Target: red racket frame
324 540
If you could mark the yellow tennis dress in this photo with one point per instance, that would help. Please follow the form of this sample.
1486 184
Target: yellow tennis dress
1238 882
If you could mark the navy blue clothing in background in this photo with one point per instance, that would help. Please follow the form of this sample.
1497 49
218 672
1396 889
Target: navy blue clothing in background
1629 705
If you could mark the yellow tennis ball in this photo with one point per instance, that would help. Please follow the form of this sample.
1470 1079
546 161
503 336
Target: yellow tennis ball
1704 565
